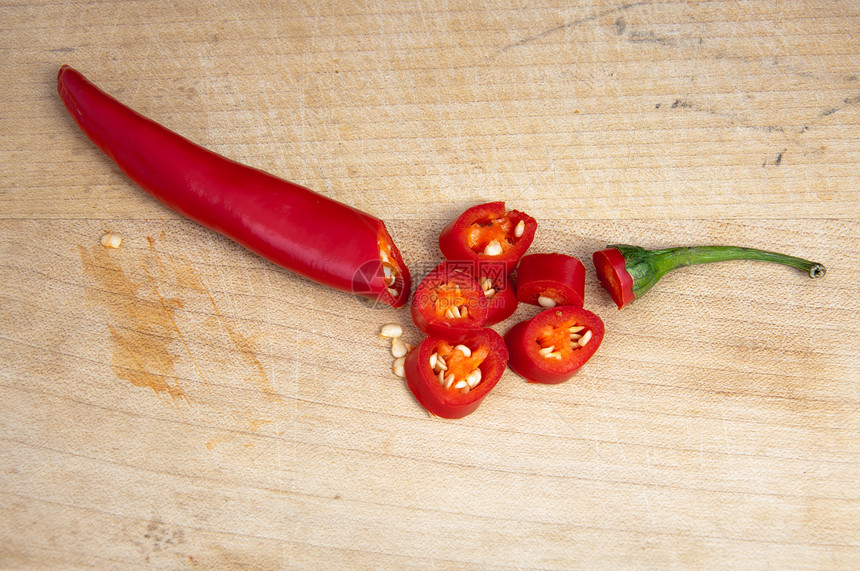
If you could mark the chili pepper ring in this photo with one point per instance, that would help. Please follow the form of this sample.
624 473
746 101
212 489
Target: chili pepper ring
296 228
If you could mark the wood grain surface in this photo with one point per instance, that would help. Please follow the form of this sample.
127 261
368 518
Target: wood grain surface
180 403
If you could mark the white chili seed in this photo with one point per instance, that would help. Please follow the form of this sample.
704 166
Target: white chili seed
576 328
575 336
441 377
464 350
398 367
474 378
398 348
440 362
489 293
110 240
383 256
546 350
554 355
433 358
449 380
460 384
391 330
449 314
521 227
585 339
493 248
486 283
393 291
546 302
455 312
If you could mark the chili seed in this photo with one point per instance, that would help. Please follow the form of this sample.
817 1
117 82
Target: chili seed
464 350
398 367
546 350
576 328
399 348
554 355
440 362
110 240
546 302
474 378
391 330
493 248
586 337
383 256
521 227
460 384
575 336
449 314
449 380
433 358
441 377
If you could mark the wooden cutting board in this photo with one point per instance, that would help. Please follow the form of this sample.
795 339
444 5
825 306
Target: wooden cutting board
178 402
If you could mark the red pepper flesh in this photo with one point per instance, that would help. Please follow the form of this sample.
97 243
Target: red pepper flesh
488 236
324 240
449 303
551 279
554 344
501 294
611 268
455 390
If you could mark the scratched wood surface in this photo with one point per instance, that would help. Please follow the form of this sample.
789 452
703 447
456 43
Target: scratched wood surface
180 403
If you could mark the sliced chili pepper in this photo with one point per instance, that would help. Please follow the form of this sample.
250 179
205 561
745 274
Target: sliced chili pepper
548 280
451 379
628 272
551 346
319 238
487 234
501 298
449 303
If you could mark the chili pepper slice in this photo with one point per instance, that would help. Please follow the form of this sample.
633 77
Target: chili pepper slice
551 346
488 235
449 303
548 280
321 239
450 379
628 272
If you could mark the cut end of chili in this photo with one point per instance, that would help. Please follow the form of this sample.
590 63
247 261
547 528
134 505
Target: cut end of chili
611 267
488 233
553 345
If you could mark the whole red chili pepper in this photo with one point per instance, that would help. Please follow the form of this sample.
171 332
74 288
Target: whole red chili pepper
551 346
324 240
488 236
450 379
550 279
449 303
628 272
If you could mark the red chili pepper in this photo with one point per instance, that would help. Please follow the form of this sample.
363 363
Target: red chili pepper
548 280
324 240
551 346
449 303
628 272
488 235
450 380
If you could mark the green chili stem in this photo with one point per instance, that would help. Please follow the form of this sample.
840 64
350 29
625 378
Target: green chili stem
677 257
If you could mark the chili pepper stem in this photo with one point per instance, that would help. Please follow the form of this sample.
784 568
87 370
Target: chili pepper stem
646 267
688 256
